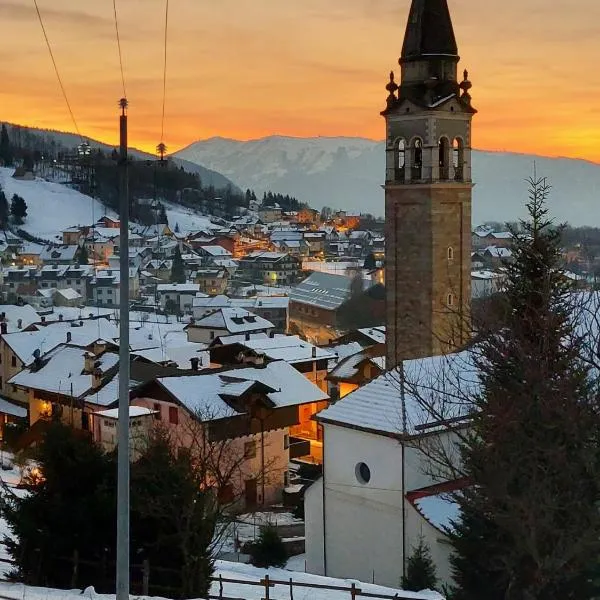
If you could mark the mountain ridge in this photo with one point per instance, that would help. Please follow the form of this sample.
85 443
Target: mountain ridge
347 172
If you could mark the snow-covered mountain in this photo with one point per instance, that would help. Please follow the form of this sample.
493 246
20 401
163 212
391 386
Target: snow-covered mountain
348 173
71 140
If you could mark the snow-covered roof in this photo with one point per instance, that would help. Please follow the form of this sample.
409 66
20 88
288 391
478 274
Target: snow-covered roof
259 255
439 509
349 366
323 289
59 253
377 334
289 348
222 301
180 354
233 320
12 314
7 407
69 294
134 411
216 251
62 373
498 252
377 406
24 343
485 274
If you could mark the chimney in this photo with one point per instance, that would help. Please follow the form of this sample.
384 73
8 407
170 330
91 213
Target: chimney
60 317
96 379
20 323
195 363
3 316
314 352
248 336
69 337
80 323
43 320
3 328
272 333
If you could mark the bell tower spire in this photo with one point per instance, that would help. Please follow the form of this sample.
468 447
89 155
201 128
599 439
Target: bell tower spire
428 191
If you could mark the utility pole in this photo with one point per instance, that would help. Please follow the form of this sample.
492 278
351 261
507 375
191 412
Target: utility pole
123 422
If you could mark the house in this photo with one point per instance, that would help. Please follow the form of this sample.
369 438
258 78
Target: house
355 370
208 253
212 281
316 241
298 248
496 256
321 299
379 484
72 236
180 295
70 384
254 407
272 308
67 297
30 255
59 255
483 237
485 283
108 222
365 336
226 321
275 268
269 214
105 428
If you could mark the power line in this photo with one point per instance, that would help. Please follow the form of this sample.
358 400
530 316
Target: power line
162 126
62 87
119 48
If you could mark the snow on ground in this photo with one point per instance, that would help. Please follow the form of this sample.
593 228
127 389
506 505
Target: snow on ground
229 570
51 207
186 218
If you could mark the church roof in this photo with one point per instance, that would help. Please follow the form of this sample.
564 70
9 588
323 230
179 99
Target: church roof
429 31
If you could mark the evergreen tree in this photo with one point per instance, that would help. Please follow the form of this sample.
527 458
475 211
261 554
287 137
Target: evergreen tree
178 268
268 550
70 508
530 525
4 210
83 257
420 570
18 209
6 153
177 230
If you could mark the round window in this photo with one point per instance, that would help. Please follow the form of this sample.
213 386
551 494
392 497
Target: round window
363 473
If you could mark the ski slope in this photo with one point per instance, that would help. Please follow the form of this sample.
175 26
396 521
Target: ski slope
51 207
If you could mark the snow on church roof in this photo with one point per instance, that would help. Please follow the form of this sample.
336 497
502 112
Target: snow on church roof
377 406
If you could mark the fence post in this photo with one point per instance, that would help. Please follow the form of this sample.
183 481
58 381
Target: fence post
266 580
291 589
75 569
353 591
146 577
220 586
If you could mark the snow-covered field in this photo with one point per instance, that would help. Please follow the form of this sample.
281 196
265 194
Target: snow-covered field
242 573
51 207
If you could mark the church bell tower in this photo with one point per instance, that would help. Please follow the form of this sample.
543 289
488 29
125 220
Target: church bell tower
428 191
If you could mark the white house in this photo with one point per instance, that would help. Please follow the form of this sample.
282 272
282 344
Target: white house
182 294
379 492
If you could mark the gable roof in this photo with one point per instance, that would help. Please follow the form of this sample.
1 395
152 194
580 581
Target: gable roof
233 320
323 289
379 406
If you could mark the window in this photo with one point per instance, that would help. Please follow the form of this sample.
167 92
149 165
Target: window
286 441
14 389
450 300
363 473
400 159
443 158
1 383
109 301
13 361
250 449
458 158
68 282
212 335
173 415
157 416
450 253
109 292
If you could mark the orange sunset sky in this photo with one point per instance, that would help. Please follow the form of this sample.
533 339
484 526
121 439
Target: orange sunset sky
250 68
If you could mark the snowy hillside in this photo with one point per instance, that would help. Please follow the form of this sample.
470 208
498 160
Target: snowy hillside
51 207
348 173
